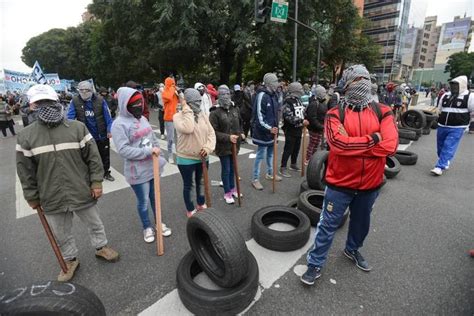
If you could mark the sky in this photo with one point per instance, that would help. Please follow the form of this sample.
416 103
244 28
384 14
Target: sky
22 19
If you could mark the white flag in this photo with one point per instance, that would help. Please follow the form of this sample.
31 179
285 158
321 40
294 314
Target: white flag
38 74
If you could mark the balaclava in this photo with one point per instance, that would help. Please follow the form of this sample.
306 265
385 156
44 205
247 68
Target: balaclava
223 98
193 99
200 87
295 89
85 90
320 93
357 87
134 107
270 80
454 88
50 112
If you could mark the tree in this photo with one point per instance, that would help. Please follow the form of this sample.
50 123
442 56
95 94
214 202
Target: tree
460 64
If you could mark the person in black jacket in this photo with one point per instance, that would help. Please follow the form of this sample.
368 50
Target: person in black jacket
246 109
314 118
225 120
293 116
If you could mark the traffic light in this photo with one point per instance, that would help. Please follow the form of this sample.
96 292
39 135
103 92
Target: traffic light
262 8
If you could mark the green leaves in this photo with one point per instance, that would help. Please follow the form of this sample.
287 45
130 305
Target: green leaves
461 64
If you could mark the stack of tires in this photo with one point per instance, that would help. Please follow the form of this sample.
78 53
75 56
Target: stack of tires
431 119
413 122
219 250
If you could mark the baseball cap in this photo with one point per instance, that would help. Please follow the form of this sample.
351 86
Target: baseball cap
41 92
236 87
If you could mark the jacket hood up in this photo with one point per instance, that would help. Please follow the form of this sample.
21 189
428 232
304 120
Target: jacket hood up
124 94
462 81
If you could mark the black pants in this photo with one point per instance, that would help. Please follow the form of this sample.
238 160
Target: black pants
292 148
161 119
246 126
104 151
8 124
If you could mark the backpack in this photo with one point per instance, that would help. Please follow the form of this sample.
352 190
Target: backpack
374 105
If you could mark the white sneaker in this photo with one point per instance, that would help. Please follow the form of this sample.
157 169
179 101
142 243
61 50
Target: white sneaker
149 235
228 198
162 136
437 171
165 230
170 160
447 167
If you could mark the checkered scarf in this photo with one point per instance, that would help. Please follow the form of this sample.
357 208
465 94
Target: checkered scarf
357 93
50 113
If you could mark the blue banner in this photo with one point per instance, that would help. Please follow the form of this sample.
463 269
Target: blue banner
19 81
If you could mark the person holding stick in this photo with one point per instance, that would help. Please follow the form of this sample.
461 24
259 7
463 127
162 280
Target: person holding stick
196 140
136 143
293 116
264 127
61 171
227 125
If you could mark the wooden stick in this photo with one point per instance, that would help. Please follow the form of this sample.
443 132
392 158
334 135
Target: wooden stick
236 171
275 137
51 239
205 173
303 151
160 247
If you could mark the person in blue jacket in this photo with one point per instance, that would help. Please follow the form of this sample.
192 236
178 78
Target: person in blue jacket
92 110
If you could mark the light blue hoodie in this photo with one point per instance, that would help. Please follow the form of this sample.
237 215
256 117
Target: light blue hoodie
134 140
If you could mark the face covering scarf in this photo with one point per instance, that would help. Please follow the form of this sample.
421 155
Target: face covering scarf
136 110
196 108
51 113
358 94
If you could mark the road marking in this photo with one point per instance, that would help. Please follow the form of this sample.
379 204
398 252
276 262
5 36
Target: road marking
272 266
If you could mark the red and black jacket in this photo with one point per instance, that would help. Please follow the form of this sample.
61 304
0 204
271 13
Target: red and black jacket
356 162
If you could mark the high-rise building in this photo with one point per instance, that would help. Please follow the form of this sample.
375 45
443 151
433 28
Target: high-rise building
455 37
388 26
427 44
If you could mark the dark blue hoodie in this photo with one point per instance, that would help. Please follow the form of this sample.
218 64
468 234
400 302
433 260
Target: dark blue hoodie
264 117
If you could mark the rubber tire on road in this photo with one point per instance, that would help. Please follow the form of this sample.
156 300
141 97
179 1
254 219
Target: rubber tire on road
304 186
416 130
406 157
218 246
392 167
293 203
426 131
228 301
81 302
280 240
403 141
316 170
434 124
311 203
414 119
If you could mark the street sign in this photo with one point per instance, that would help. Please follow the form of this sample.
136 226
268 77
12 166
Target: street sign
279 11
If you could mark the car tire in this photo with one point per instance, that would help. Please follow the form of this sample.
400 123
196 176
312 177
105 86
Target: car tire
406 157
414 119
403 141
51 297
316 170
218 246
392 167
293 203
227 301
426 131
280 240
311 203
407 134
304 186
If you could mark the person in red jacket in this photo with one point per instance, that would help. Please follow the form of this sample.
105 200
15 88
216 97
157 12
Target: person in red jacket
213 93
361 136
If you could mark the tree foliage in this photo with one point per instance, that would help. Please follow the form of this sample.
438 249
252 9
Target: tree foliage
211 41
460 64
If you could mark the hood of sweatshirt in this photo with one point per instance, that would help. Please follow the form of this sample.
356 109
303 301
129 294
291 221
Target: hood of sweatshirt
462 81
123 95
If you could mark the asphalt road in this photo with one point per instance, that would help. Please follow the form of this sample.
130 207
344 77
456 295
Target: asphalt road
420 234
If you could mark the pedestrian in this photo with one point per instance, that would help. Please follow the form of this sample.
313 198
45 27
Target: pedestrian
433 95
373 91
246 109
293 117
228 129
111 102
136 144
206 102
306 95
314 117
60 169
213 93
6 120
161 112
360 140
92 110
132 84
455 107
196 140
264 127
170 106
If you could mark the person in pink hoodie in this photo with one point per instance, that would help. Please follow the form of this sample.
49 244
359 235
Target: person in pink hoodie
213 92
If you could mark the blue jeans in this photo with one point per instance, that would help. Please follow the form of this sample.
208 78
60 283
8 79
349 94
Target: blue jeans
227 172
447 140
334 206
144 192
187 172
260 153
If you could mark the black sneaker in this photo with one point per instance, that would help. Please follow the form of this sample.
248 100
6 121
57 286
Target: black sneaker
109 177
311 275
284 173
358 260
294 167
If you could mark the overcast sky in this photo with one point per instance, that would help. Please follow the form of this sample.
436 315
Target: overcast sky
22 19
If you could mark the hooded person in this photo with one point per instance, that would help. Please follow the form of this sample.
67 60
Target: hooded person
111 102
293 116
391 97
315 116
92 109
136 143
195 141
213 93
360 142
264 126
132 84
227 126
206 101
455 107
373 90
246 109
60 169
170 107
238 97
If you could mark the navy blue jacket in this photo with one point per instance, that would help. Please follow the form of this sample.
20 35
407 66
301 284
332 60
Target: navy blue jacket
264 117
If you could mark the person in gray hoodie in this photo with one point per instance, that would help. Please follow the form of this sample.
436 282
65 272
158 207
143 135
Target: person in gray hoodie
136 143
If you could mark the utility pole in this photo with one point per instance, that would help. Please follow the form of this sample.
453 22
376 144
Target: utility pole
319 60
295 45
385 58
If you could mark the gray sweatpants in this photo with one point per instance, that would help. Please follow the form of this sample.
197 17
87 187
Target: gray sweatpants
61 225
170 137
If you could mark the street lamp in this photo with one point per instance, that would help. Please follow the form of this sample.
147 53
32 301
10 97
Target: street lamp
385 58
